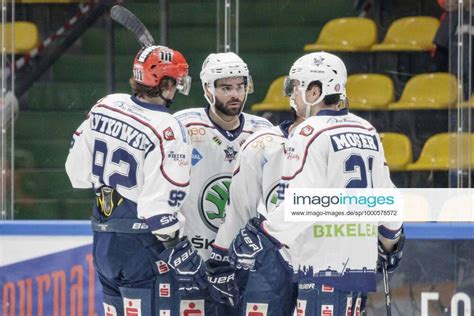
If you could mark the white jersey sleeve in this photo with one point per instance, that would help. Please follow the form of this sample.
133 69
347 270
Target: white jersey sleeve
79 160
389 230
166 180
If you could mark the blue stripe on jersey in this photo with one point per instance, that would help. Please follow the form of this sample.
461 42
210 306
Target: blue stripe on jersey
230 135
329 112
150 106
285 126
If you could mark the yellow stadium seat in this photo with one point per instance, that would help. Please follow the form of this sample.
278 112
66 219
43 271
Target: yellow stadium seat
410 34
435 91
274 100
439 153
398 150
367 92
25 37
345 35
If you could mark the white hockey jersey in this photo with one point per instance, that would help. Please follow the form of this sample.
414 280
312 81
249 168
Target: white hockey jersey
140 150
255 181
334 149
214 156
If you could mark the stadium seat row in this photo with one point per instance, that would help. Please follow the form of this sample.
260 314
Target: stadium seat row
356 34
441 152
342 34
375 92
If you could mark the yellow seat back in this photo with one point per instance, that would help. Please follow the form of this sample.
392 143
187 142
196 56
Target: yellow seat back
346 34
446 151
274 100
369 91
25 37
398 150
428 91
410 33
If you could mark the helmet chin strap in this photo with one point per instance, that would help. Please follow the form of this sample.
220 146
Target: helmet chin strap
212 92
243 103
168 102
308 105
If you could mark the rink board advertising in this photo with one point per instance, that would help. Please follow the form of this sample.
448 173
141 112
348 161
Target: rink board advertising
46 268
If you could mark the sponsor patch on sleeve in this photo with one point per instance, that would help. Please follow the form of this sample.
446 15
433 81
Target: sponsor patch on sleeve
168 134
307 130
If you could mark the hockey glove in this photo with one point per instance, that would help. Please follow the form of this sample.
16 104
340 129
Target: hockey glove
186 265
249 245
391 259
221 276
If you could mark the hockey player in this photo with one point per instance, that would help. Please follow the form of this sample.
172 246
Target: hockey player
217 133
136 158
256 177
315 159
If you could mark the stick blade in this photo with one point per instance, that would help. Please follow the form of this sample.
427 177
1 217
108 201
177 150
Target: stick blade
126 18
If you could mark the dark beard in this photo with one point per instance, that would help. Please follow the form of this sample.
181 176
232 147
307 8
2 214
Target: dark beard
230 112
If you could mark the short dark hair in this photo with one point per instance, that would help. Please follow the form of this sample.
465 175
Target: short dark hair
330 99
145 91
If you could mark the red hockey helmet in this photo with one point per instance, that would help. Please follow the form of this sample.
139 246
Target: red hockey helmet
152 63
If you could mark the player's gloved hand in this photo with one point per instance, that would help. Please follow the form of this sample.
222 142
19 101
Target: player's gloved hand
221 277
249 245
186 265
391 259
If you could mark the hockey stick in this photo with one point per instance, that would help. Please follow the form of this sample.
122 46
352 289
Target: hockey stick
388 300
132 23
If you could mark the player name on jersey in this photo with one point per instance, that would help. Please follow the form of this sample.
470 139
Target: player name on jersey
121 130
350 140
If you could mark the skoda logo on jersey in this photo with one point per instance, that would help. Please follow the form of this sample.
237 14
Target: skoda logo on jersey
213 200
196 157
230 154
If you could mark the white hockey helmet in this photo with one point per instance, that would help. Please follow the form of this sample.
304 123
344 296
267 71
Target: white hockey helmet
220 66
323 67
